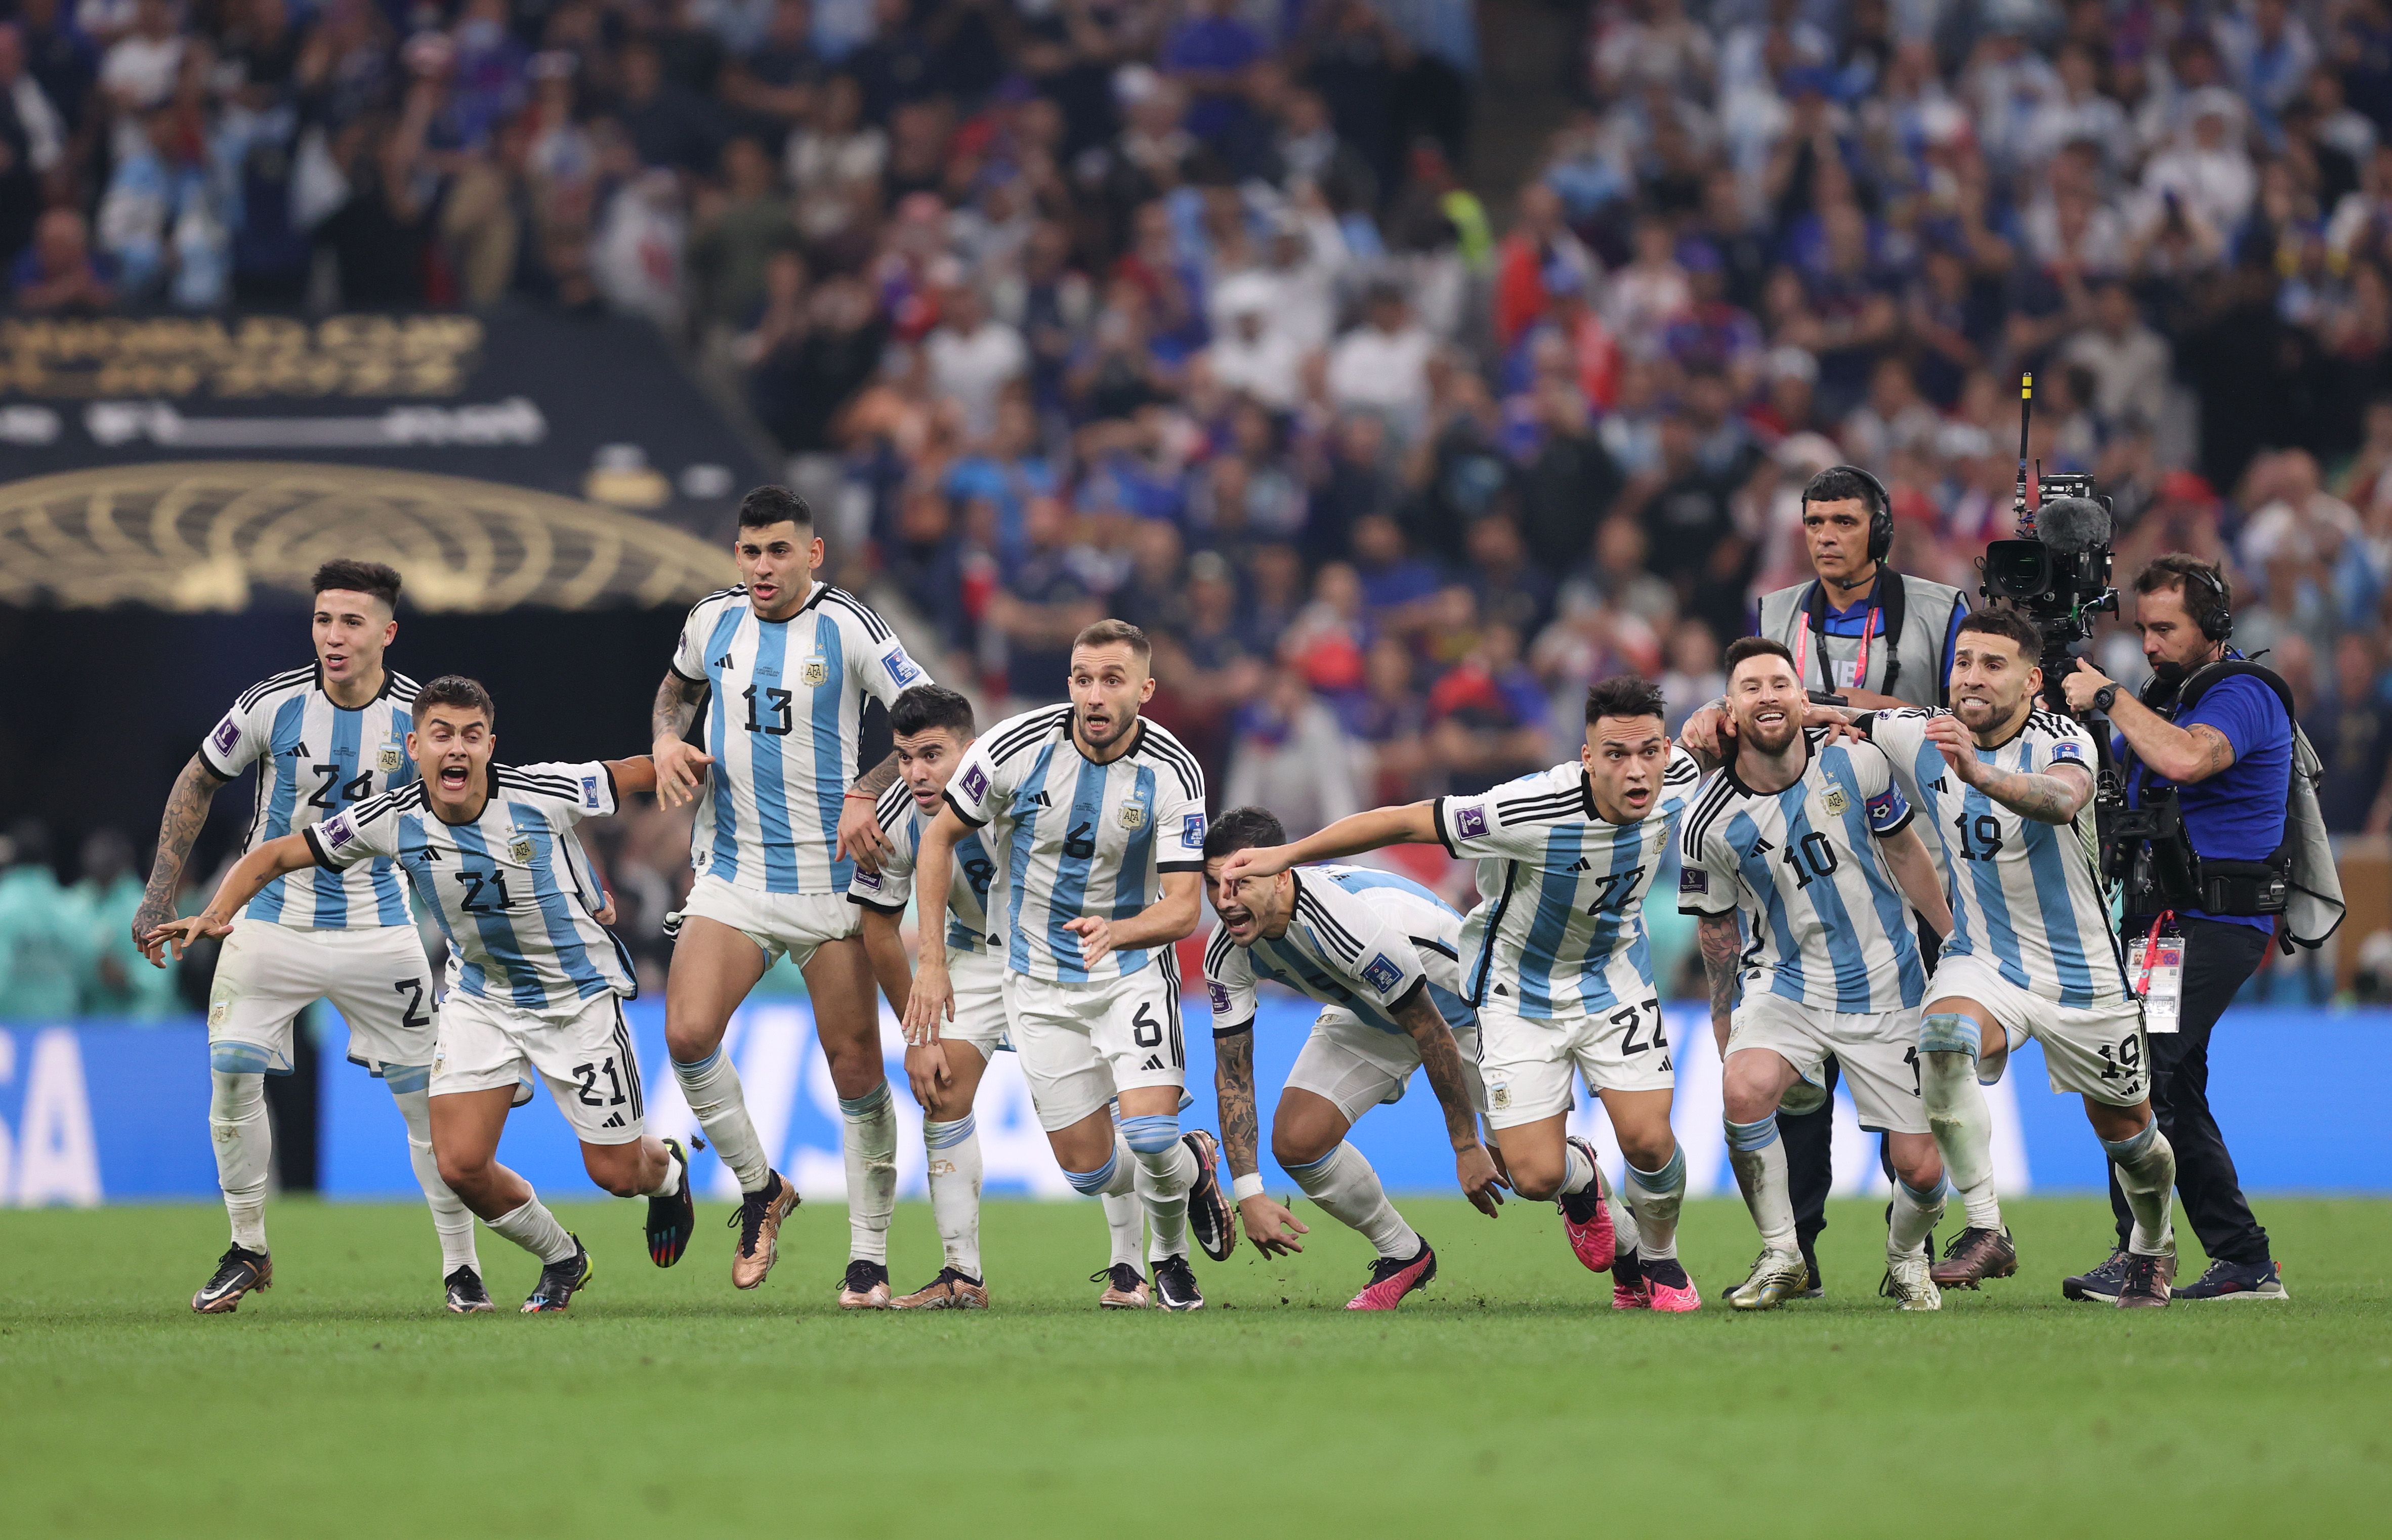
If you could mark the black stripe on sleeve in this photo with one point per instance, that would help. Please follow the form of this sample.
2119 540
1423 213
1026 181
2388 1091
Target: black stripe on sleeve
1241 1028
315 848
949 798
1420 988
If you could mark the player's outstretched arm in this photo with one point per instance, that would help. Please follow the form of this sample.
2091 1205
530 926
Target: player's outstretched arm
1170 918
1905 857
248 878
1269 1224
632 776
2053 796
1722 942
1441 1057
932 1000
187 808
1414 823
679 765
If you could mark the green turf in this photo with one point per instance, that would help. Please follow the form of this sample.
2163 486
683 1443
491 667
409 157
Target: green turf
1509 1401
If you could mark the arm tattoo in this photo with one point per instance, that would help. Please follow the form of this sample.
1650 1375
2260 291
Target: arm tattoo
2048 797
2219 754
878 779
1441 1056
187 808
1233 1080
676 706
1721 943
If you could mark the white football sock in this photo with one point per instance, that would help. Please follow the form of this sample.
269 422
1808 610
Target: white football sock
450 1218
1655 1198
1163 1180
2146 1165
536 1230
954 1150
671 1183
244 1144
1759 1157
1623 1226
1915 1213
869 1140
1343 1184
1964 1131
711 1089
1578 1171
1125 1226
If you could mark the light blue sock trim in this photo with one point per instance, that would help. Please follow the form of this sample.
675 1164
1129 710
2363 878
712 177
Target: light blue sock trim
947 1135
1749 1137
1671 1175
1094 1182
1950 1033
866 1105
687 1071
2132 1148
1152 1134
406 1079
242 1059
1312 1168
1927 1198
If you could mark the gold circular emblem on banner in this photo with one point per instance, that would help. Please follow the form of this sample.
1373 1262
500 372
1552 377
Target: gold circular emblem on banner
202 535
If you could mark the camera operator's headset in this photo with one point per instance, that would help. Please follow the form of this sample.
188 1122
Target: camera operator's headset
2219 624
1881 544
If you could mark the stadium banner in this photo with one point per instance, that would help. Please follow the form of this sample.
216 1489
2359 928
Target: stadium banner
96 1113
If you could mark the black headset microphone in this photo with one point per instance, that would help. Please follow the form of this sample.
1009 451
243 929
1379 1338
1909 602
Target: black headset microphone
1880 529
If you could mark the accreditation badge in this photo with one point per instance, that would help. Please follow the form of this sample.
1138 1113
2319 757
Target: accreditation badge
2155 968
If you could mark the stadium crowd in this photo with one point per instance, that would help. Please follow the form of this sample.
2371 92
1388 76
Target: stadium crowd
1186 312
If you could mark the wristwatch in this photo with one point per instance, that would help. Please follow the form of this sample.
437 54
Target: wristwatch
2103 697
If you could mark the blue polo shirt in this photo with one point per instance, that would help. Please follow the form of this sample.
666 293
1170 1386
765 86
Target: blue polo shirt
2239 813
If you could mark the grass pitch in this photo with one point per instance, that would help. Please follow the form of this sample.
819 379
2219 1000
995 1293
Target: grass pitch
1510 1401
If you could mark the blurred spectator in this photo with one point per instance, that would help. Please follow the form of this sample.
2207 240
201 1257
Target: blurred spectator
120 984
1291 755
58 274
44 946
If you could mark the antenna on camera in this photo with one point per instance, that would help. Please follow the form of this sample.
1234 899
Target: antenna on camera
2026 417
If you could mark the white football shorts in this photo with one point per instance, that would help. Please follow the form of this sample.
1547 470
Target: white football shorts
1878 1050
1528 1063
2095 1052
377 977
1355 1066
1080 1042
791 924
586 1058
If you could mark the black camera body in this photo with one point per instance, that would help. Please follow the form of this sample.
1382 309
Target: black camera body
2060 575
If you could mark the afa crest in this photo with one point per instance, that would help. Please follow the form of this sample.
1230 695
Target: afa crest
816 671
386 761
1132 815
1834 801
520 849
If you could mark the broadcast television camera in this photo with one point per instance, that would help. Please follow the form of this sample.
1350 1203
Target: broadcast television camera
2058 568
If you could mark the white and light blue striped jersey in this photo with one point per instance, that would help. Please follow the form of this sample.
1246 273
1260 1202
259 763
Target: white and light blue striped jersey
2025 896
1361 940
315 758
1080 839
1558 932
970 877
512 890
1826 925
782 726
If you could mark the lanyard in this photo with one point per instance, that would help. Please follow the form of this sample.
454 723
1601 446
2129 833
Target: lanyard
1860 664
2151 950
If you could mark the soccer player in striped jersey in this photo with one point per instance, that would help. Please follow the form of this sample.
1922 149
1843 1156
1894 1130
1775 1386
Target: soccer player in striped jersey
933 728
322 738
1557 968
1381 954
536 981
787 661
1810 840
2009 789
1102 854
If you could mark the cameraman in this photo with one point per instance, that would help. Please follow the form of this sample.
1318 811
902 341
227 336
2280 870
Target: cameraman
2229 758
1879 640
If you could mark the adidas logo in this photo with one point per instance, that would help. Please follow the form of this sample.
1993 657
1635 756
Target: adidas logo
1760 847
299 750
1037 799
614 1120
1938 784
1501 990
1152 1062
1583 865
722 662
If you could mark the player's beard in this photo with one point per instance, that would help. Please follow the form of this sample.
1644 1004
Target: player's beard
1116 723
1772 741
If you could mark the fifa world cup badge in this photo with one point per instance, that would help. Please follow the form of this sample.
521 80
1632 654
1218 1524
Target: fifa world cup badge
1836 801
1133 815
815 672
521 850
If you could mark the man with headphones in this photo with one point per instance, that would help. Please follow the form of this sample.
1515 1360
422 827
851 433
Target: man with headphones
2220 731
1878 640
